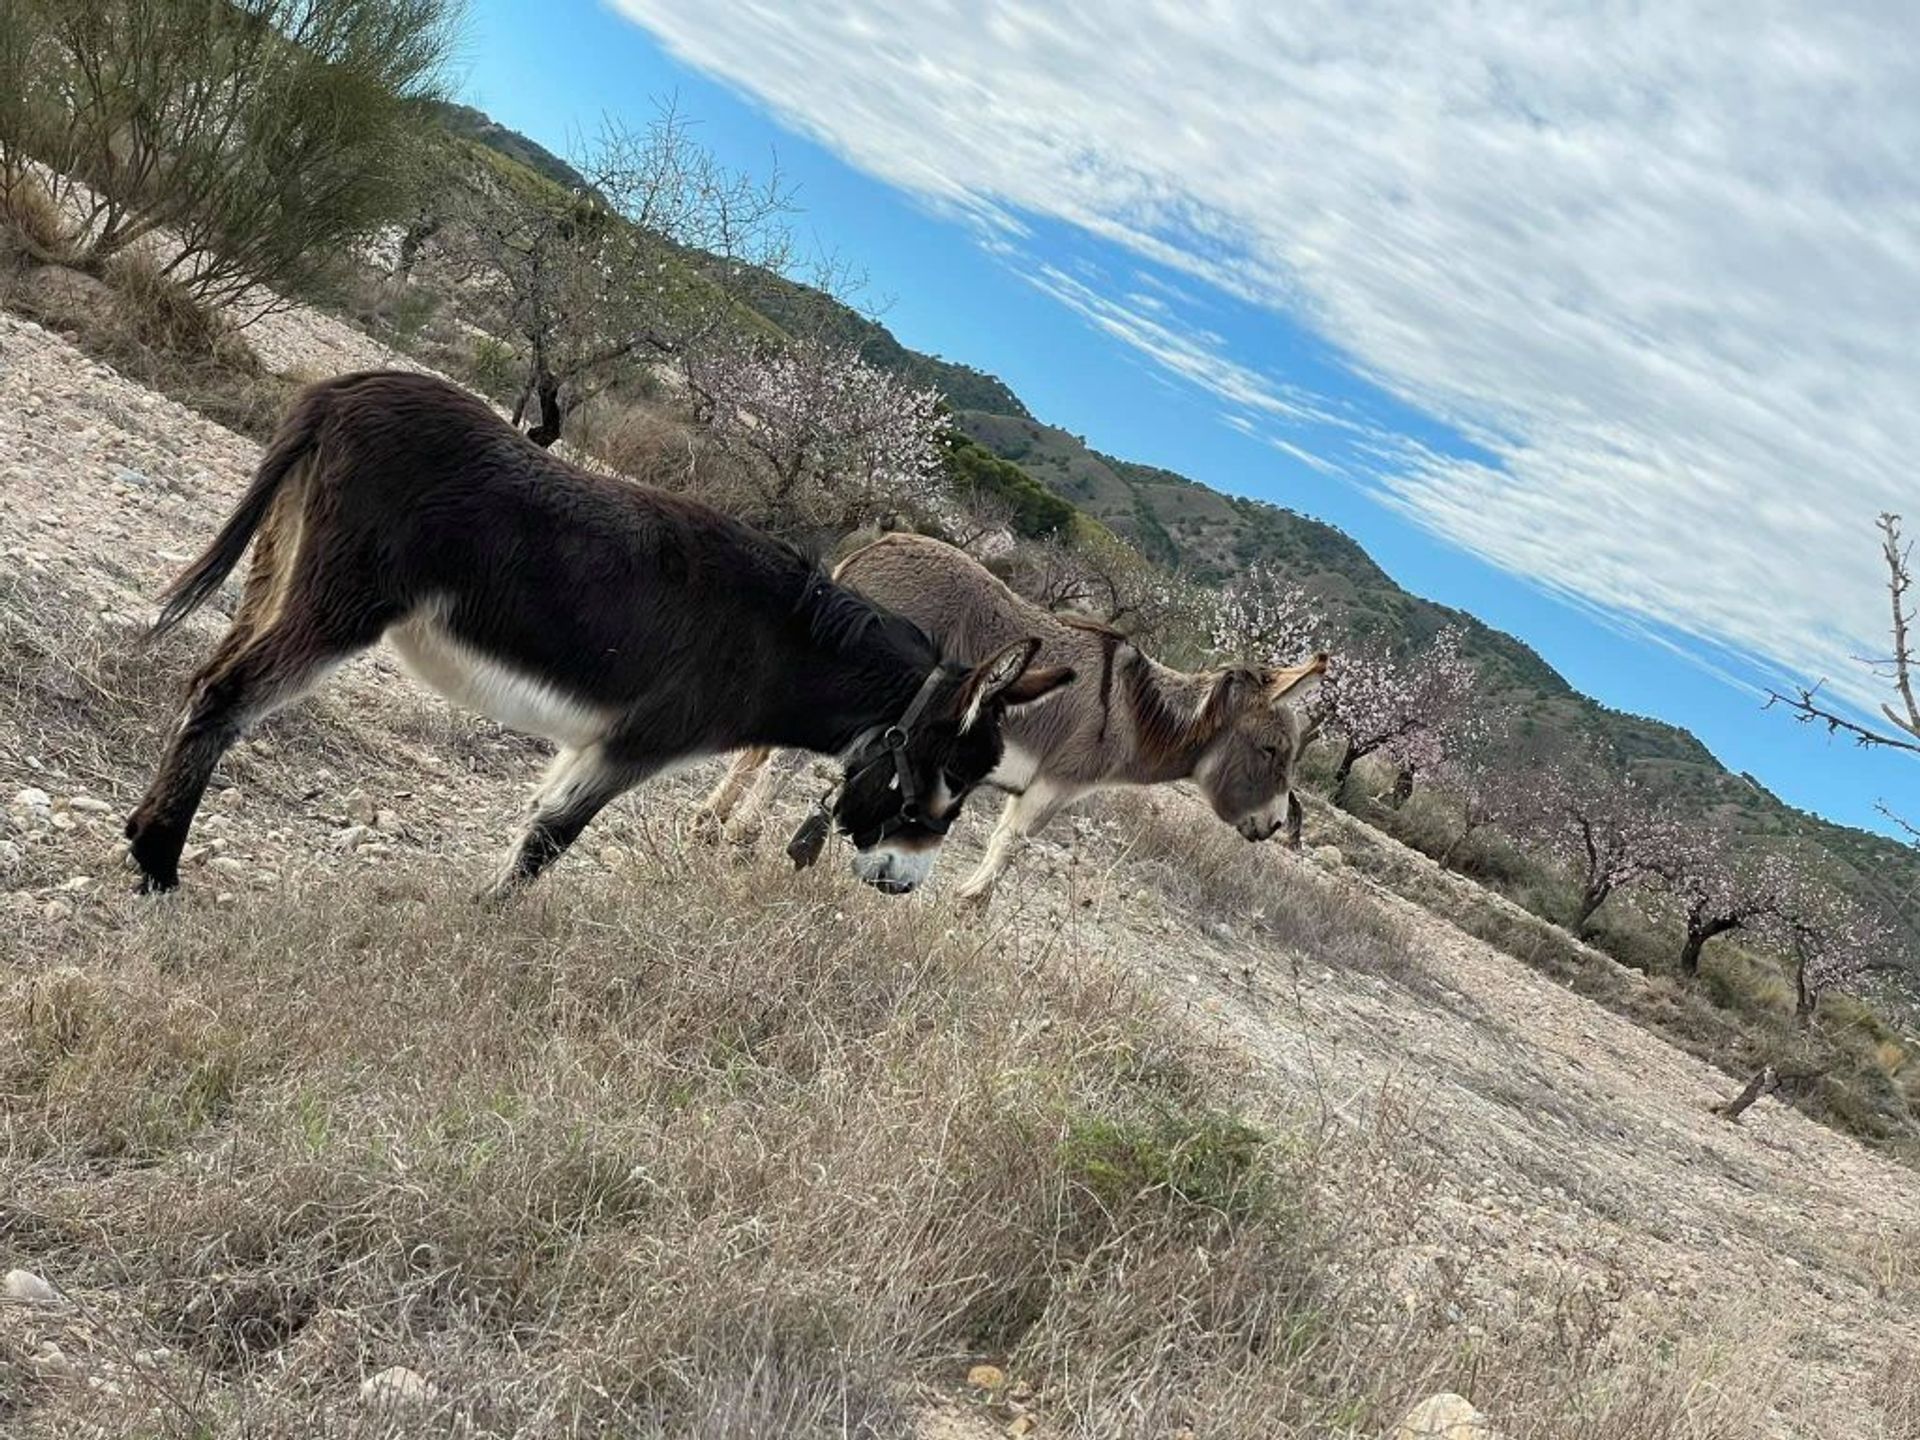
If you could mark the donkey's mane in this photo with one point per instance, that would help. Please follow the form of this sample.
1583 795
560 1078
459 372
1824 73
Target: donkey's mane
1160 728
843 621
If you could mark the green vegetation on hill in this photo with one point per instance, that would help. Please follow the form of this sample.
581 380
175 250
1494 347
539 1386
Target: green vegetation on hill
481 128
976 473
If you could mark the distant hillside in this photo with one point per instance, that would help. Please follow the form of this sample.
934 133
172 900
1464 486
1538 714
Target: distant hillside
483 129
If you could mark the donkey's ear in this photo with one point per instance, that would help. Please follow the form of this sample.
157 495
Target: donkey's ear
991 677
1297 683
1036 683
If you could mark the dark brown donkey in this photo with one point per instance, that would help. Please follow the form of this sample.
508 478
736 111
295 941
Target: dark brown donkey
633 628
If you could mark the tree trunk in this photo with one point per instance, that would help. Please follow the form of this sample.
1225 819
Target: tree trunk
1697 936
412 239
1403 786
1591 899
552 413
1805 998
1345 768
1765 1083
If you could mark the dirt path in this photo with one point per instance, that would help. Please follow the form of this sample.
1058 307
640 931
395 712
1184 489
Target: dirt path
1559 1150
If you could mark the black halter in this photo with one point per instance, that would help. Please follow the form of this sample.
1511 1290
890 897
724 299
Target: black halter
889 745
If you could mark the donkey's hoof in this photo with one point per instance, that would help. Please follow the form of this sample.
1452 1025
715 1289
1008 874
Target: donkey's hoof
157 884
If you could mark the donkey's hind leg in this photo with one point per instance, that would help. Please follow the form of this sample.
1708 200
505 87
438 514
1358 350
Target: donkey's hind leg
734 808
250 675
577 786
742 777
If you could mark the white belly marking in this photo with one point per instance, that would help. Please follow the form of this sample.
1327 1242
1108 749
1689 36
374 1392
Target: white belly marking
477 681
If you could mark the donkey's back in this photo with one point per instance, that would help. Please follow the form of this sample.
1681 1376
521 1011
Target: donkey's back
973 612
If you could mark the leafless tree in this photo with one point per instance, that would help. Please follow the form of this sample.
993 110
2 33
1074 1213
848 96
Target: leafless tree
648 260
1100 576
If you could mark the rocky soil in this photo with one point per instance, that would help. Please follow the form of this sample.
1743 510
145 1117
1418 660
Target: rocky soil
1537 1151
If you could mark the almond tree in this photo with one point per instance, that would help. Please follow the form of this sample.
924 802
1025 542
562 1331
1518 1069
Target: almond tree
1262 618
1723 884
828 441
1599 822
1480 785
644 261
1401 708
1834 939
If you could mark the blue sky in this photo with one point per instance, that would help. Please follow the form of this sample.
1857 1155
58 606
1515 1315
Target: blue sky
1569 328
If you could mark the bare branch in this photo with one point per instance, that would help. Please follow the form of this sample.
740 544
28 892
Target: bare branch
1805 703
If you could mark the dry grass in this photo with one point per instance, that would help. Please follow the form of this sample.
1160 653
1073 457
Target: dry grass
144 324
32 228
699 1151
1259 890
688 1154
1738 1015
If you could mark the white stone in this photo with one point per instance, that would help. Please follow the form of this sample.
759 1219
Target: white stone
32 798
349 839
1329 855
23 1287
1444 1417
397 1387
50 1362
228 865
88 805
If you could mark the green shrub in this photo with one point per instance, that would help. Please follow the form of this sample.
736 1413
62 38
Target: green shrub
260 136
1200 1163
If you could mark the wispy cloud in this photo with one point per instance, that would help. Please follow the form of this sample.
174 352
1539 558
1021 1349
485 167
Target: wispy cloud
1661 264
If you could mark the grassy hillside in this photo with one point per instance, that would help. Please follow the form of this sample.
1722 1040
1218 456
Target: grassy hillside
476 125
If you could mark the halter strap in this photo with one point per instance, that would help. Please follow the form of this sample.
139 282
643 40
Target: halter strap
894 740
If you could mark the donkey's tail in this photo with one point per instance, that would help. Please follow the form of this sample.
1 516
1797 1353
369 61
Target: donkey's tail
292 442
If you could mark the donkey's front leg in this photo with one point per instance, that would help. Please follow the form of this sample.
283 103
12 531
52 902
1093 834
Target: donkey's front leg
577 786
1024 814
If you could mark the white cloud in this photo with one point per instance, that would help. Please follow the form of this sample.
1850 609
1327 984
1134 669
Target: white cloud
1661 262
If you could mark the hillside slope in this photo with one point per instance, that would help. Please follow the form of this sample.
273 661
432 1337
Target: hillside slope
607 1156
